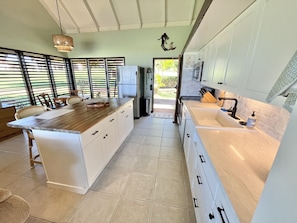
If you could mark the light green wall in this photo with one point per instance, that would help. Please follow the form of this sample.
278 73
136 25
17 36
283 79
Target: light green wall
26 25
137 46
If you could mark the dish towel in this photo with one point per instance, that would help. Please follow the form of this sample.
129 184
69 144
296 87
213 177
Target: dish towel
286 85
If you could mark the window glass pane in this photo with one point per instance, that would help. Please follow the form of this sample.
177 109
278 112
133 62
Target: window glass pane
12 85
112 64
97 68
80 71
60 76
36 67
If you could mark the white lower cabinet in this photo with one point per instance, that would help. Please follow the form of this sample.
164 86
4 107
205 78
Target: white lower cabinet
125 121
73 161
210 200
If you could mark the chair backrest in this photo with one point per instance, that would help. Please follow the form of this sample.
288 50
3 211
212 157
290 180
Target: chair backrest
29 111
45 99
73 100
74 92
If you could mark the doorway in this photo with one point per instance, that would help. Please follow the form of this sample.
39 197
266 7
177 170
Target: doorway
165 82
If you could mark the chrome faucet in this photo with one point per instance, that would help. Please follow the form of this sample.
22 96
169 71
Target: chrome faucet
232 110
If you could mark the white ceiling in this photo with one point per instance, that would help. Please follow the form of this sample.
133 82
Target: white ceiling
78 16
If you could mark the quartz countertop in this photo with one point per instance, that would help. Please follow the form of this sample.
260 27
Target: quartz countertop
75 118
242 160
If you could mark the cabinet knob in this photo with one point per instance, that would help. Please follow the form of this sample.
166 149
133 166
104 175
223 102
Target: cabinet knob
220 82
188 135
211 216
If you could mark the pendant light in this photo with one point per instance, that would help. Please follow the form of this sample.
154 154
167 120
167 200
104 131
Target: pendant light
62 42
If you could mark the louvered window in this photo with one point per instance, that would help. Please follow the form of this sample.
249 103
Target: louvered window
81 76
97 76
24 75
38 74
112 64
12 85
60 76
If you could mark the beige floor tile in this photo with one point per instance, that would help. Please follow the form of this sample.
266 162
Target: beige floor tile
53 204
170 133
157 126
192 216
170 142
170 169
96 207
140 131
135 139
152 140
46 203
158 121
167 214
171 153
121 162
139 186
146 165
131 211
111 181
36 220
170 192
149 151
36 173
129 149
155 132
19 168
6 179
8 159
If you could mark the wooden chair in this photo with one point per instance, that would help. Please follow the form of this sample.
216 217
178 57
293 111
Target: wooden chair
60 102
45 99
26 112
74 92
73 100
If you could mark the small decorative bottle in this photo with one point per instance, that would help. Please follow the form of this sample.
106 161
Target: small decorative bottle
251 122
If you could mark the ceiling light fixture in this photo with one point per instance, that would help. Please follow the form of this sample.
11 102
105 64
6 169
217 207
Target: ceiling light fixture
62 42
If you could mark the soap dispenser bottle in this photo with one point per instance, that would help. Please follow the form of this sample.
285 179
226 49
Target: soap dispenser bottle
251 122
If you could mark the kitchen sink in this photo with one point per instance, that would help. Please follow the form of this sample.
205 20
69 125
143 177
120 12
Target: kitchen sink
213 118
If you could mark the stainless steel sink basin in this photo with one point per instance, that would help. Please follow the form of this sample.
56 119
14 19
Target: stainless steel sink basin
213 118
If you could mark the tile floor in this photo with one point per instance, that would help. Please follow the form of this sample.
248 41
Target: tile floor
145 182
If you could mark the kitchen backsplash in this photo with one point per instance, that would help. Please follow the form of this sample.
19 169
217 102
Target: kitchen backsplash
270 119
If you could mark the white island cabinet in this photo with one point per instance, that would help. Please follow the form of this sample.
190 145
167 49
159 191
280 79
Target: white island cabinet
73 160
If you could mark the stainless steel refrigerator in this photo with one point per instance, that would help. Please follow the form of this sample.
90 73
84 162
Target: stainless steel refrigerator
130 82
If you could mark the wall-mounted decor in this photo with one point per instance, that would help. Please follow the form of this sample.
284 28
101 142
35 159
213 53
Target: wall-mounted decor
164 39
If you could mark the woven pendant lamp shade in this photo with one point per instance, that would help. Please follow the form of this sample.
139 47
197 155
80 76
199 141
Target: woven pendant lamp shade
63 43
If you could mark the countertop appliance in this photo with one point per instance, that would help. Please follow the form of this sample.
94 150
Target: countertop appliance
130 83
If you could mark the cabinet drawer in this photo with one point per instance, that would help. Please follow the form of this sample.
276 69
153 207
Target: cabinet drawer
206 166
110 119
92 133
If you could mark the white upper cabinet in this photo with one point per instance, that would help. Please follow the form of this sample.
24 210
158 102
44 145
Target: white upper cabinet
251 53
223 42
210 51
275 45
243 30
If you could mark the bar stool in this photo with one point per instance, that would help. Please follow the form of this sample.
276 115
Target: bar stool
26 112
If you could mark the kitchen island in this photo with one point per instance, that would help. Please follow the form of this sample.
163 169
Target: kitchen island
77 141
